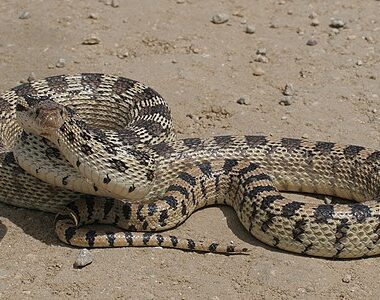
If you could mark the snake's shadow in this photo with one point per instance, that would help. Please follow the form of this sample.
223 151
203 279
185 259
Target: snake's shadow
3 231
241 233
39 225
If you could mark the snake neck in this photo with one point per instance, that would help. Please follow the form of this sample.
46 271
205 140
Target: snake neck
107 158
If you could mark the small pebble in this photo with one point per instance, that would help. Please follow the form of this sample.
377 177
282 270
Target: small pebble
313 15
261 51
311 42
257 71
250 29
337 23
84 258
314 22
347 278
359 62
115 3
286 101
288 90
123 55
93 16
92 40
220 18
262 59
24 15
243 101
61 63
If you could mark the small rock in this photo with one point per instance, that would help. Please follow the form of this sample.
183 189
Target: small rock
286 101
313 15
257 71
61 63
115 3
220 18
311 42
314 22
92 40
351 37
337 23
262 59
31 77
24 15
347 278
288 90
123 55
359 62
93 16
261 51
84 258
243 101
250 29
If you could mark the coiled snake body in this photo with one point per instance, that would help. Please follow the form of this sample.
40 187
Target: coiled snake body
104 147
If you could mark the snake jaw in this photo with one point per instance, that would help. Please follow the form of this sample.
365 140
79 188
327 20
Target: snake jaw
43 118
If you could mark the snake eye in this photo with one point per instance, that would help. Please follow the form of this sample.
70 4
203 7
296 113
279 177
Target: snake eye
20 107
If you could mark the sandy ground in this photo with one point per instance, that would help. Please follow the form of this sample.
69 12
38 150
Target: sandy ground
201 69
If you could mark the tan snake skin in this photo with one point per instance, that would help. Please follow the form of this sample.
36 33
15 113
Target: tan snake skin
166 180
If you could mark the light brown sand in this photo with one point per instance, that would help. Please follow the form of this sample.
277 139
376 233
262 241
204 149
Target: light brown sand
202 69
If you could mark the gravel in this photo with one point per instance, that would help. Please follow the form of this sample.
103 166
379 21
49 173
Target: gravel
288 90
84 258
250 29
311 42
24 15
337 23
61 63
257 71
220 18
91 40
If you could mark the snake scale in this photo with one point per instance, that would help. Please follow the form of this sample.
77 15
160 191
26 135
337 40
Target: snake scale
98 148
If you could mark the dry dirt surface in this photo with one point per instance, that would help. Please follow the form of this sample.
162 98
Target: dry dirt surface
303 69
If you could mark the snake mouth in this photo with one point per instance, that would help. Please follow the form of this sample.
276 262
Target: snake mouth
49 115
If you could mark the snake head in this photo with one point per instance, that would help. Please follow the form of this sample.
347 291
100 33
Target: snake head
43 118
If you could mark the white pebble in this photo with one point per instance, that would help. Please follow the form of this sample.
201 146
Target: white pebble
84 258
337 23
24 15
250 29
60 63
91 40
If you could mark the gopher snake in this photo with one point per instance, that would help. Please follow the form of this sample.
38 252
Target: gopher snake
116 136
